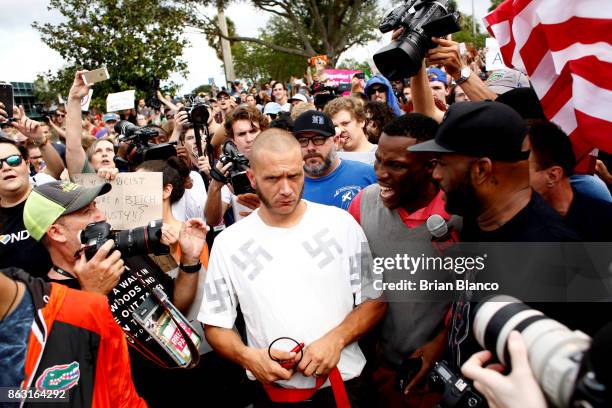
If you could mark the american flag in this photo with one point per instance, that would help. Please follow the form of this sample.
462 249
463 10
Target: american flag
565 46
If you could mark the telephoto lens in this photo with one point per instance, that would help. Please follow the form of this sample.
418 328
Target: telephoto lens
141 241
555 352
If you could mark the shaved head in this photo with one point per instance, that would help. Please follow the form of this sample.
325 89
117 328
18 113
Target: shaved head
273 141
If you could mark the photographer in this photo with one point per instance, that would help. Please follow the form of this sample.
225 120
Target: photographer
57 212
242 126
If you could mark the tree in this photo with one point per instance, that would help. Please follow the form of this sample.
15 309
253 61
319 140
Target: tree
467 36
214 41
494 4
137 40
258 63
320 26
351 63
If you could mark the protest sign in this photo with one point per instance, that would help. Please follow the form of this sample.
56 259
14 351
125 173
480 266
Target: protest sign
493 56
120 101
335 77
134 200
86 101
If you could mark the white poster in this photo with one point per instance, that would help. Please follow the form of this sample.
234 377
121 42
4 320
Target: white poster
120 101
493 55
86 101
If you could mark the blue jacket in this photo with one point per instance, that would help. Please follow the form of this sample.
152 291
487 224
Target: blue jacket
391 99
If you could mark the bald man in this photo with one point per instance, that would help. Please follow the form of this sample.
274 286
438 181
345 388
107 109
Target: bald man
299 270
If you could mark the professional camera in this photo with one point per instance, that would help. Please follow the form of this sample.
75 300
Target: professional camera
456 391
153 102
240 164
197 110
421 20
561 359
138 241
140 149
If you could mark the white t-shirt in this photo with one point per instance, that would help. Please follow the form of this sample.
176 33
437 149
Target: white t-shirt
193 202
299 282
230 198
364 157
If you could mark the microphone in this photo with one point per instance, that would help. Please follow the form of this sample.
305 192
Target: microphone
442 237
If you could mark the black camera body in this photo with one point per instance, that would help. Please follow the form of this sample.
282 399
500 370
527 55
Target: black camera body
456 390
140 149
421 20
138 241
237 173
197 110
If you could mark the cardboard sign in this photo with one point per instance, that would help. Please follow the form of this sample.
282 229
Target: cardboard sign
120 101
86 101
135 199
493 55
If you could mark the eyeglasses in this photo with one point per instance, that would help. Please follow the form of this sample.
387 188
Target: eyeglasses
316 140
13 160
60 115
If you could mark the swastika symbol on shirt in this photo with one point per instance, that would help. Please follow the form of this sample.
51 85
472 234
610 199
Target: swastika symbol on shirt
219 293
251 258
322 247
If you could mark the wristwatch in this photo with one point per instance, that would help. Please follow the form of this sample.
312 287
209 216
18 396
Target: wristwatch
465 74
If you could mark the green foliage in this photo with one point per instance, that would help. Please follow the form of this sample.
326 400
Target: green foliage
351 63
202 88
137 40
494 4
467 36
259 63
214 41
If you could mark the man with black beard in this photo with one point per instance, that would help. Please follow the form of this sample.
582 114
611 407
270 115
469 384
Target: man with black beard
485 176
328 179
484 173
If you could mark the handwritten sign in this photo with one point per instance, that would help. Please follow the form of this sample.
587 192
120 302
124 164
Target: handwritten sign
120 101
135 199
493 56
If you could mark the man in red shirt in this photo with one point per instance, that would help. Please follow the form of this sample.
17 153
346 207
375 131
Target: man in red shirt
392 214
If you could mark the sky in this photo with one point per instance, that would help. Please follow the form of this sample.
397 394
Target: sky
25 55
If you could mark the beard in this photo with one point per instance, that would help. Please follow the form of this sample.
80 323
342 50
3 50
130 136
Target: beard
462 199
318 170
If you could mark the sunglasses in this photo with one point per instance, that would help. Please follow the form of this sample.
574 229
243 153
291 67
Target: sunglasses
316 140
13 160
59 115
372 91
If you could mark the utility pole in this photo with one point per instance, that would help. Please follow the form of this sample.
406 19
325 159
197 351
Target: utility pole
228 62
473 21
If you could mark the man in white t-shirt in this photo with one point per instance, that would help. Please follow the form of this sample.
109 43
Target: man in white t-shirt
298 269
242 126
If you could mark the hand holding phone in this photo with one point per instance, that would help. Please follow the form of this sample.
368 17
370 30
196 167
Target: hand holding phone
97 75
6 98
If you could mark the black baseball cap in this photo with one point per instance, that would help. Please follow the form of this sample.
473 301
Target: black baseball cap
314 121
479 129
222 93
47 202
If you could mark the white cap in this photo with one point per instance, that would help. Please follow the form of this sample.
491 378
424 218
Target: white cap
298 97
272 108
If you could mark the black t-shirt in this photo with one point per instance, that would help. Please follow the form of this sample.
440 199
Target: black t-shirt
537 222
17 247
590 217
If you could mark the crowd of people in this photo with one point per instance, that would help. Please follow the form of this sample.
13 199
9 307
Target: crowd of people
272 225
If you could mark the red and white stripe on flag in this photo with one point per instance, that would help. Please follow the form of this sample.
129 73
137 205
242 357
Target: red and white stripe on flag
566 49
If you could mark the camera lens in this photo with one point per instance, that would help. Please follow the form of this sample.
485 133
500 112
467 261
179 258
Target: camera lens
199 114
554 351
141 240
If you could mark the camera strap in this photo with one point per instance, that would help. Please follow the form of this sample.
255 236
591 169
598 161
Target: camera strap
217 175
193 350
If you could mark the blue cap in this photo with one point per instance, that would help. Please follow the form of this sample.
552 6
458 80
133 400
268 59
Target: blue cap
436 74
110 116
